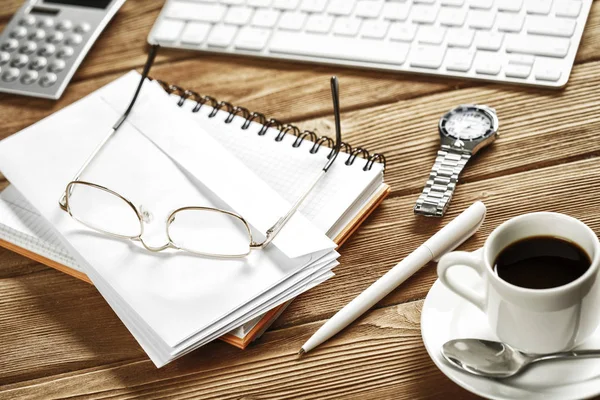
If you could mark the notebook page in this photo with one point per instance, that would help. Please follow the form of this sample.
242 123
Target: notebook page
289 170
52 157
22 225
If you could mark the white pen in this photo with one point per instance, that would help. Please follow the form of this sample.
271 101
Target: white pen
447 239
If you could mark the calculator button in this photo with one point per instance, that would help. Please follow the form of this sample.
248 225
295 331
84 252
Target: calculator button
65 52
18 33
46 23
56 37
10 74
29 77
4 57
37 34
82 27
64 25
27 20
47 50
38 63
48 80
19 61
74 39
28 48
56 66
10 45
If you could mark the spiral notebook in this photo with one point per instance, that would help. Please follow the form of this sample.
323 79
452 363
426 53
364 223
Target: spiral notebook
278 153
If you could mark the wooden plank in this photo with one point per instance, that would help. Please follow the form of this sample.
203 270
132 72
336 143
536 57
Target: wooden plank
386 344
537 128
51 308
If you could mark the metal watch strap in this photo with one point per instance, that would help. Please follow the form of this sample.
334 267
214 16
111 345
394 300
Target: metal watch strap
442 181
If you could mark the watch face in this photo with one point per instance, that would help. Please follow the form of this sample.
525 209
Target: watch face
467 123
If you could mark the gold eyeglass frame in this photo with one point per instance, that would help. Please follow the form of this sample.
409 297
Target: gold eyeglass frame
143 215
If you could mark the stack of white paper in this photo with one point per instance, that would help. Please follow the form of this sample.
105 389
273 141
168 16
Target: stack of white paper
161 159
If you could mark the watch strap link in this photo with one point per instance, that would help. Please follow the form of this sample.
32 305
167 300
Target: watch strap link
442 181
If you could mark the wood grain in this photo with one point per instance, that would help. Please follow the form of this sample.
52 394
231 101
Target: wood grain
59 339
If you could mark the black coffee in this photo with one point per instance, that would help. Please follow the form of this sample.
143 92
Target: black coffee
541 262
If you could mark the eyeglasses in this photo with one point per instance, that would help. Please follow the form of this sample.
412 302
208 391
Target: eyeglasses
203 231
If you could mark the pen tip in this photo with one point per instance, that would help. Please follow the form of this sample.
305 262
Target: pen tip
301 352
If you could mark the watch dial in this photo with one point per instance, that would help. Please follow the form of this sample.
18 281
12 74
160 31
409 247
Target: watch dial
467 124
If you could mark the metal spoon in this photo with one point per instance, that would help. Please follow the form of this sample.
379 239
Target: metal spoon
496 359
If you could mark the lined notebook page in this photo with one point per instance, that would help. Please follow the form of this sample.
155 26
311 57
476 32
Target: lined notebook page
23 226
289 170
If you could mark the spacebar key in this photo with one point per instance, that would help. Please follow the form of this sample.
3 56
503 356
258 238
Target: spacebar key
306 44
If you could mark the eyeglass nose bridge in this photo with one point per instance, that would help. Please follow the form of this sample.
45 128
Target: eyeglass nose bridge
155 249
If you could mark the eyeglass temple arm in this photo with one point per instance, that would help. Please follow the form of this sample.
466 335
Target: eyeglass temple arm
149 61
275 229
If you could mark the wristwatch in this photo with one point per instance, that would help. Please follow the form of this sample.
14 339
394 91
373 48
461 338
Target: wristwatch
464 131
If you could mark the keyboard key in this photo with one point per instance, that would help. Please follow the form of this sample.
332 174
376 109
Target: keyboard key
48 79
374 29
286 4
37 63
19 61
4 57
37 34
561 27
509 5
488 40
28 48
56 66
339 47
238 15
10 45
64 25
481 4
396 11
453 3
252 38
509 22
29 77
403 32
538 6
196 11
27 20
168 30
265 18
257 3
517 71
293 21
452 16
65 53
545 73
346 26
459 59
431 35
568 9
10 74
83 27
340 7
74 39
424 14
195 32
537 45
460 37
368 8
487 63
57 37
315 6
481 19
221 35
520 59
18 33
426 56
47 50
319 23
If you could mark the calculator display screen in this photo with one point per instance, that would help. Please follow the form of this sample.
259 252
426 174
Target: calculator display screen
82 3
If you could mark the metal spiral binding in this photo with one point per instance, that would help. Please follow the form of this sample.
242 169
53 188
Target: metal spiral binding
266 123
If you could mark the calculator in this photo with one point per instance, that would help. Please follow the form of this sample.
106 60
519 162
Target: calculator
46 40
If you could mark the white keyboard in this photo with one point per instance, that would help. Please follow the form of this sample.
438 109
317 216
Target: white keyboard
530 42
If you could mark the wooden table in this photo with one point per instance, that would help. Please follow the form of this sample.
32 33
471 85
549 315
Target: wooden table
59 339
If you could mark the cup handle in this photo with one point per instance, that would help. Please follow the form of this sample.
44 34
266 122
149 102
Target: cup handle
471 260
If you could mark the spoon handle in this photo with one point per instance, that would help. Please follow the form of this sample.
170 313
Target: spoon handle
566 354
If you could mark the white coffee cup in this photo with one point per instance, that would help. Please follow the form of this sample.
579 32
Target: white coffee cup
532 320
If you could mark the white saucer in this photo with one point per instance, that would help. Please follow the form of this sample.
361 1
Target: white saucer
446 316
